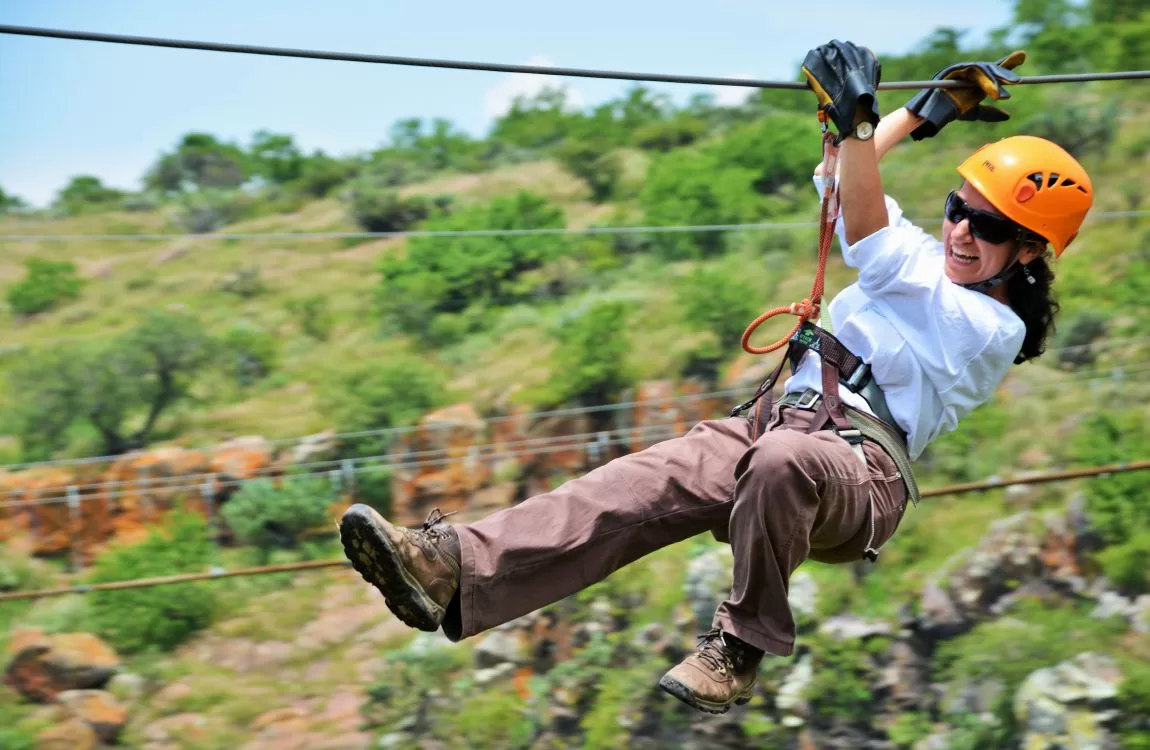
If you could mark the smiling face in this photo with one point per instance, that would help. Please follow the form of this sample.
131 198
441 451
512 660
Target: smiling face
970 259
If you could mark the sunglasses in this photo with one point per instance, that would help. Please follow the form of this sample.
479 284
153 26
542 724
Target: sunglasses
984 225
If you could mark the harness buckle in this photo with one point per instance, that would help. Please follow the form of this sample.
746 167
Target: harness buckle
852 436
858 378
808 398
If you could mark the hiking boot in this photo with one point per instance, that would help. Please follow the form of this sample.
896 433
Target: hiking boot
722 671
416 570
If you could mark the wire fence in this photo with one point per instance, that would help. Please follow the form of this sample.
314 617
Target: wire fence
218 573
486 423
476 448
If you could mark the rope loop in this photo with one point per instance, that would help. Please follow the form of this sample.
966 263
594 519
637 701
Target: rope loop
810 307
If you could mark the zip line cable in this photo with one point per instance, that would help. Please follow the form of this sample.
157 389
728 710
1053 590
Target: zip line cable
218 573
250 49
558 231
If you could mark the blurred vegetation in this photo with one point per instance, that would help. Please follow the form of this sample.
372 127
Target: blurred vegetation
110 347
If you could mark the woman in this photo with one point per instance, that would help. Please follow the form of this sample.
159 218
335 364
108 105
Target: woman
938 324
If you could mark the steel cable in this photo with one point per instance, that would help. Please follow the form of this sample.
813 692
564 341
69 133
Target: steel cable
251 49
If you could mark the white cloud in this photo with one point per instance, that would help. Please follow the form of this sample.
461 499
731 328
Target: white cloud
733 96
498 99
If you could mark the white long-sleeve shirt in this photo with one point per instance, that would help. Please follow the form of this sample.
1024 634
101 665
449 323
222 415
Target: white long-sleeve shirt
937 350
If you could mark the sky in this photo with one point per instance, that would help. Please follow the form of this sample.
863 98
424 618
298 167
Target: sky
73 107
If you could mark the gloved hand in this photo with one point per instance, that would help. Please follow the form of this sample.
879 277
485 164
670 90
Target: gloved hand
942 106
844 77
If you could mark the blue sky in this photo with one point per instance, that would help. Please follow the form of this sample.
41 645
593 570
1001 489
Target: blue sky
70 107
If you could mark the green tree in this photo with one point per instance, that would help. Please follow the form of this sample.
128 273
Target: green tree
597 164
688 187
84 194
712 299
199 161
590 362
275 157
537 121
46 285
119 388
447 275
10 204
381 395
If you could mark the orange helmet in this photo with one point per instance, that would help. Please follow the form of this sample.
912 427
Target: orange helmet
1034 183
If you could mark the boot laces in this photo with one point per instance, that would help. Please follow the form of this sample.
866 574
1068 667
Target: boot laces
715 653
433 527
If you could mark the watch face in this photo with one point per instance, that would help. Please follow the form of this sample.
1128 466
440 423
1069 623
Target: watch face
865 130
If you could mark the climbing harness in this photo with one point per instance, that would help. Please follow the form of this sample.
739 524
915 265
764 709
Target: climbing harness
839 365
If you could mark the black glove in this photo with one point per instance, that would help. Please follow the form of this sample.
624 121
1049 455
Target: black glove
942 106
845 78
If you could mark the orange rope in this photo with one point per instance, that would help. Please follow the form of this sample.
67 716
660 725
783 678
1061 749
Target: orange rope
808 308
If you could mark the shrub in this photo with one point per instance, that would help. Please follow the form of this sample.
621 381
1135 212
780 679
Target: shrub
670 134
373 396
441 276
271 517
207 210
595 163
1127 565
313 314
1134 705
243 282
1075 344
86 194
1083 129
160 617
1116 504
250 352
713 299
691 188
376 207
969 453
47 285
590 365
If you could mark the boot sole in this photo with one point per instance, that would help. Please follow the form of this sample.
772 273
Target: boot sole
378 562
686 695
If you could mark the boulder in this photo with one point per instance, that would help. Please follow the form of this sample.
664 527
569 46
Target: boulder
98 709
72 734
1072 704
448 446
46 665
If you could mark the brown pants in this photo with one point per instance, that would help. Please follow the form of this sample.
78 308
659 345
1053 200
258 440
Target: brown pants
789 496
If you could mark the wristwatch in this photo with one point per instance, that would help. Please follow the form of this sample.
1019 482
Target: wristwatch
864 131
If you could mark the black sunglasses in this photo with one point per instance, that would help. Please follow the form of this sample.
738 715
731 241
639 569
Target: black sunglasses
984 225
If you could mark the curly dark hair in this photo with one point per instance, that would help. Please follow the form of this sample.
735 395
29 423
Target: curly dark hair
1035 304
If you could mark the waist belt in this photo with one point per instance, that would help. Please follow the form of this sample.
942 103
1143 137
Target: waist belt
839 366
888 436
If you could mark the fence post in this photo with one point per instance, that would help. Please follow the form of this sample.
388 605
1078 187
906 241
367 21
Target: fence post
73 527
207 491
348 468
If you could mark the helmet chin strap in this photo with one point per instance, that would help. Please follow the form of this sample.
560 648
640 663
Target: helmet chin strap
1010 269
